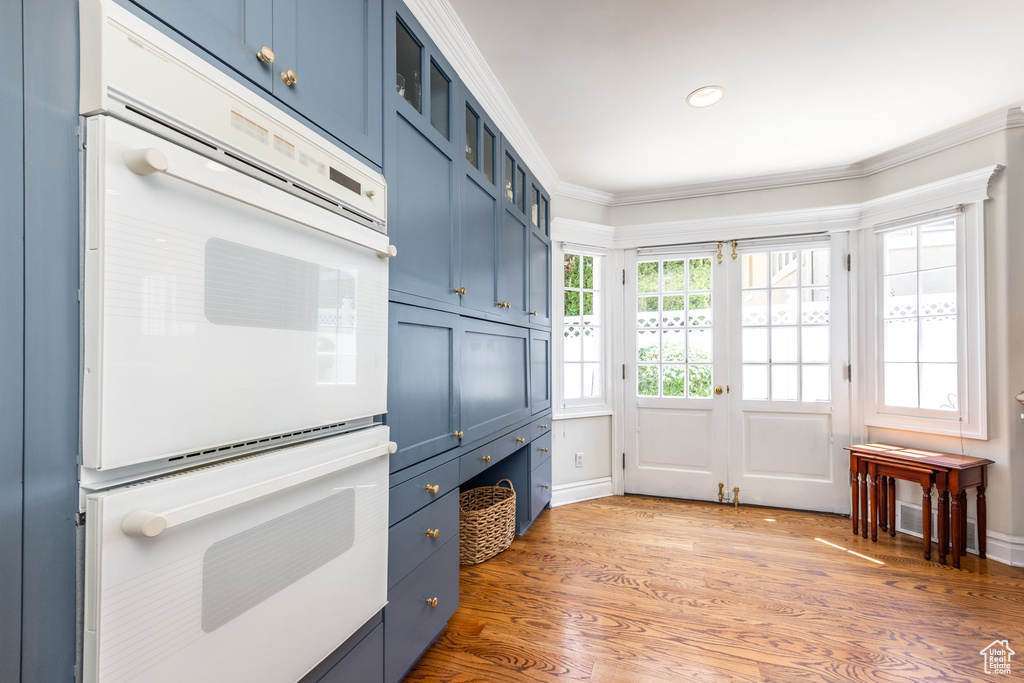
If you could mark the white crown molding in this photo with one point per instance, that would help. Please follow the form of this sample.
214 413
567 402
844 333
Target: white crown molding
576 492
966 188
958 135
571 191
448 32
582 232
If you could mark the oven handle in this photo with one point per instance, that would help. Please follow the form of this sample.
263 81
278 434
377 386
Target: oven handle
150 160
147 524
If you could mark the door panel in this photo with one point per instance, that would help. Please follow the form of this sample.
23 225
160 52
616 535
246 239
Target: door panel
494 377
511 270
540 278
786 444
477 231
540 371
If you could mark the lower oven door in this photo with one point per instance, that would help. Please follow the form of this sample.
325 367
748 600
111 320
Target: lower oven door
219 309
252 570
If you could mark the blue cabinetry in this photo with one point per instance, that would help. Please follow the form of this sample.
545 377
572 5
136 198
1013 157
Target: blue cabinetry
332 48
494 377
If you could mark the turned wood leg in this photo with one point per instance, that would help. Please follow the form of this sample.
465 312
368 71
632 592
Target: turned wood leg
892 506
855 500
982 520
864 511
883 504
943 524
963 522
873 485
926 521
955 500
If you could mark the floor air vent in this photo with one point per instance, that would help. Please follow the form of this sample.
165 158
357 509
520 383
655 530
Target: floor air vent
909 521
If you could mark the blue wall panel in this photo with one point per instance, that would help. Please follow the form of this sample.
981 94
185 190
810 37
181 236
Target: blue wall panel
12 234
51 338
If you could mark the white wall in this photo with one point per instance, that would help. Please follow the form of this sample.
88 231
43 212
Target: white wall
1004 291
592 436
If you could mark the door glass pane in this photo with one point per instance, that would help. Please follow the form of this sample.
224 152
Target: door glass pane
648 344
785 303
648 380
938 244
784 382
814 344
755 382
647 311
755 271
647 277
472 134
510 169
673 380
698 313
899 251
699 346
699 385
408 57
673 310
938 291
700 274
816 383
784 269
755 345
814 306
439 98
784 347
814 267
673 345
488 154
675 276
754 308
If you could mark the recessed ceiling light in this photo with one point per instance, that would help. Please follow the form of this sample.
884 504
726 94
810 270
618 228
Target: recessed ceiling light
706 96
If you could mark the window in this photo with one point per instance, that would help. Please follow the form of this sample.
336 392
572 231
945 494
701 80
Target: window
582 329
785 325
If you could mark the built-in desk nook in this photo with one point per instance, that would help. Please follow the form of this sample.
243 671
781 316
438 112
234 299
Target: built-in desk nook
874 468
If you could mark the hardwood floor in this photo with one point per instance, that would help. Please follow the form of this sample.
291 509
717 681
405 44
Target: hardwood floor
644 589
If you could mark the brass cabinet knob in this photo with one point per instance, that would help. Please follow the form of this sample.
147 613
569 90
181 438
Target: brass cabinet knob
719 389
533 312
265 55
432 602
543 450
508 305
543 426
520 439
460 290
433 489
486 458
458 435
289 77
543 486
433 533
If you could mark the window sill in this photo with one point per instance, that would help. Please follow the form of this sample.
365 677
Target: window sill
580 412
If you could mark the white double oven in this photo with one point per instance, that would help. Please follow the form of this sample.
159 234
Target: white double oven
234 468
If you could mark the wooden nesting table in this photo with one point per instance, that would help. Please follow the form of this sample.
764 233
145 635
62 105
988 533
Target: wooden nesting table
874 468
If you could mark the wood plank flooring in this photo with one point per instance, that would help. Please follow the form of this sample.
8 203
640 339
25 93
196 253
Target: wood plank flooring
627 589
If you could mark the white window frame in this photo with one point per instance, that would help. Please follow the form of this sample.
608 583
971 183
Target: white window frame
963 197
590 406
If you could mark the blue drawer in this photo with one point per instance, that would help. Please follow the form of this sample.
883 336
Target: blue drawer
412 618
540 427
478 460
540 450
540 488
408 541
408 497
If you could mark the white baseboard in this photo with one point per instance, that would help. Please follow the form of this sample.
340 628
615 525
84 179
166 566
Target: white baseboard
578 491
1006 549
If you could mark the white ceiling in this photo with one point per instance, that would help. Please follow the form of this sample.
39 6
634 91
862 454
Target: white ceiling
810 84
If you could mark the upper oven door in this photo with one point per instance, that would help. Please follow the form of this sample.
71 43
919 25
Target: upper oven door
218 309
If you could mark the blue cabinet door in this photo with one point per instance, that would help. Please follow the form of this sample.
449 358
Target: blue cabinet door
478 254
540 278
494 377
334 48
234 31
510 274
423 383
540 371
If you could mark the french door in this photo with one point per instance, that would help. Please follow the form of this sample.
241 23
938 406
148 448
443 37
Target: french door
735 373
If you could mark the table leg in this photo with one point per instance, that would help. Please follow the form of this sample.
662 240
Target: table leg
943 524
864 511
955 500
873 485
982 519
926 521
855 502
892 506
963 522
883 505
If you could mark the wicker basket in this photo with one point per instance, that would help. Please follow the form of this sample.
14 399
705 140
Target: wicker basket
487 522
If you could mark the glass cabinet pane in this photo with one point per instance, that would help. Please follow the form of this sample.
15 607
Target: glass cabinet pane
520 199
510 169
488 154
535 207
439 97
544 214
408 57
472 134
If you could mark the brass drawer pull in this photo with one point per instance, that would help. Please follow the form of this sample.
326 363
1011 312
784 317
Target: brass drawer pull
520 439
433 489
486 458
432 602
433 533
543 450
